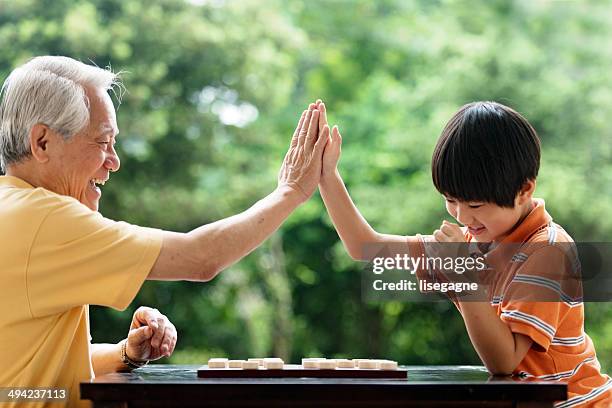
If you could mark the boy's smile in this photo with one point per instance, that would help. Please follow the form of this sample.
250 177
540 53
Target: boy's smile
489 222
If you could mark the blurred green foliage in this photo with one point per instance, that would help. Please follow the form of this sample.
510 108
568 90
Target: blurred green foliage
215 89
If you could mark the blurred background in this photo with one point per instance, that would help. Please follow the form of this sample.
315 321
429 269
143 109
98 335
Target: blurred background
214 91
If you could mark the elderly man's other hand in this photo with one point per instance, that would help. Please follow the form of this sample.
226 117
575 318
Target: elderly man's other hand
152 335
301 168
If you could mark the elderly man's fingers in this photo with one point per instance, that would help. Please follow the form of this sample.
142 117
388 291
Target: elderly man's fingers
152 317
169 339
313 131
174 341
158 335
143 315
296 133
304 131
140 335
293 147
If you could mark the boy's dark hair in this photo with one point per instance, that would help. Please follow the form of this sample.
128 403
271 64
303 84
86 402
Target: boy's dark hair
486 153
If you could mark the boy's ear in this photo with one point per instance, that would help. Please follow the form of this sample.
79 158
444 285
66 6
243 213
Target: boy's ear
526 191
40 138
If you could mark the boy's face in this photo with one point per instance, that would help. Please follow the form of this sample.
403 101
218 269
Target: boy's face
486 222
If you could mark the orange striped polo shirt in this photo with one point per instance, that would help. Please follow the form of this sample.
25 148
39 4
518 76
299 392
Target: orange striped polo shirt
527 265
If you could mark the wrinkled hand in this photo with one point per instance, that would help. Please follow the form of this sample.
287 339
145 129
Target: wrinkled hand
151 337
333 148
301 168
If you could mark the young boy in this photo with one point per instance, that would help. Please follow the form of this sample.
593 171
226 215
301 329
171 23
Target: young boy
485 164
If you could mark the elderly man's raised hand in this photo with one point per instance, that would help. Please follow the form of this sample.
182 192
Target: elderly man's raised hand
151 335
301 168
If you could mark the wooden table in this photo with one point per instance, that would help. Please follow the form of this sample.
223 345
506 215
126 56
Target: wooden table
426 386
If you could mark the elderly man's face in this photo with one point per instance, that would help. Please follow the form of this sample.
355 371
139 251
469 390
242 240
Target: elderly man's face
88 157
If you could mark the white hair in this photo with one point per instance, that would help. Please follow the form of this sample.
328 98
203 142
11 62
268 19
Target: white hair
48 90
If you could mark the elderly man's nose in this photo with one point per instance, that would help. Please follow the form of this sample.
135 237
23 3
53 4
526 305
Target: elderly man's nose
112 161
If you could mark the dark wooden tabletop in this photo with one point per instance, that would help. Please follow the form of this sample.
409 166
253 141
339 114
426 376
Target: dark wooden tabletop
178 385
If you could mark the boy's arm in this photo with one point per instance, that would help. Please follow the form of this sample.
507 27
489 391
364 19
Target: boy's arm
353 229
500 349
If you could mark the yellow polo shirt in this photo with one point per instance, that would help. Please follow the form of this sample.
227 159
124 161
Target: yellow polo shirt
56 258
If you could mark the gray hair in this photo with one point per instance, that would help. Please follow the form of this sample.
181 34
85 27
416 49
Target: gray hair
48 90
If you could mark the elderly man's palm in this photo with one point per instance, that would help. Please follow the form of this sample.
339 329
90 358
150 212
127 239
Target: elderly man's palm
301 168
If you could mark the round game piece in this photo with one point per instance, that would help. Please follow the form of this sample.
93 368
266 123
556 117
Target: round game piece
250 365
258 360
327 364
217 363
387 365
273 363
367 364
235 363
345 363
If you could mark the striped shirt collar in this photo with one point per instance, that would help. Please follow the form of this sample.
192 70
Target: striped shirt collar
537 219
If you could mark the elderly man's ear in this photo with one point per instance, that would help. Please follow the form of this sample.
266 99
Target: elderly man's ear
41 137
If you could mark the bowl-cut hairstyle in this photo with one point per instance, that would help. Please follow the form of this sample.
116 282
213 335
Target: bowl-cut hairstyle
486 153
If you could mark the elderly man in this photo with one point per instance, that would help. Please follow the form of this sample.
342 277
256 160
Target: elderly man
57 136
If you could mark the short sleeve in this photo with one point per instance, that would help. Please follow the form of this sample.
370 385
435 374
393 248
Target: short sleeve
416 248
540 295
78 257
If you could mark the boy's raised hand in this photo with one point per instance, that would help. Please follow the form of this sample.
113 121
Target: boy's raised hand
331 154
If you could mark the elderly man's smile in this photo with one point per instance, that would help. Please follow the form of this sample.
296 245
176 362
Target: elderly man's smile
93 184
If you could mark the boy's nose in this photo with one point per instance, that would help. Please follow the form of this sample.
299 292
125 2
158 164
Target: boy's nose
463 216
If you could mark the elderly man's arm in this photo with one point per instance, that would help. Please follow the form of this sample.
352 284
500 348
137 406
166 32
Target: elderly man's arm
202 253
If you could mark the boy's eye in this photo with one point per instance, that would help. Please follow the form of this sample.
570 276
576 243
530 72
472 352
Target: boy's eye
475 205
